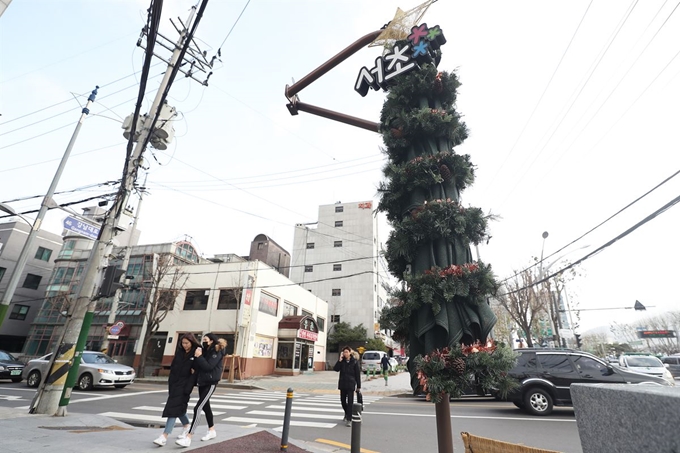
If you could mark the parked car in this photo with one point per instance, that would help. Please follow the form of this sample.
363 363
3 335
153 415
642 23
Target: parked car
545 377
647 364
96 370
370 361
672 362
10 367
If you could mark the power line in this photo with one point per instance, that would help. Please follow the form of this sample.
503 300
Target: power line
598 225
653 215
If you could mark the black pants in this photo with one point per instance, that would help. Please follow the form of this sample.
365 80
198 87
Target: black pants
203 404
347 400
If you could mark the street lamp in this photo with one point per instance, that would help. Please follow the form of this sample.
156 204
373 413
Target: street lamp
9 210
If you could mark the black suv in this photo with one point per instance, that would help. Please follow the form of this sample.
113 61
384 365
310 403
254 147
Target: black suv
545 375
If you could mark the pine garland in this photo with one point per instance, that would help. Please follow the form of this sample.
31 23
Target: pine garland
454 170
453 370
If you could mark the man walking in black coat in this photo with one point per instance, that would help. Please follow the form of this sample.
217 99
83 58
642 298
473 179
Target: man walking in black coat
349 380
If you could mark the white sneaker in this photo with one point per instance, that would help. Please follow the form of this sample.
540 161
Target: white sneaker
210 435
160 441
184 434
186 442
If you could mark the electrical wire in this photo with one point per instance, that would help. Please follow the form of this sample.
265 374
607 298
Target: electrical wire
650 217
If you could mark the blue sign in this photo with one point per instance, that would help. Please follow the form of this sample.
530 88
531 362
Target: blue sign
81 228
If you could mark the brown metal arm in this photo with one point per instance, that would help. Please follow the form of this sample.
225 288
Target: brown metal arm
295 105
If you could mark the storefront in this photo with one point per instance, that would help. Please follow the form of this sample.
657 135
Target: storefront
297 336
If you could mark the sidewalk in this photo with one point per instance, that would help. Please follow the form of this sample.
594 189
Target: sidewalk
86 433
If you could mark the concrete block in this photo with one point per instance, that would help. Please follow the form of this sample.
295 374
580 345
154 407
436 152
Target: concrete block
627 418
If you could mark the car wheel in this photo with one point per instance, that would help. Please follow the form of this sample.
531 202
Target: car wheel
33 379
120 386
85 382
538 402
518 404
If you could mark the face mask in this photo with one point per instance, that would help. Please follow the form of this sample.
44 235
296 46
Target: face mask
205 345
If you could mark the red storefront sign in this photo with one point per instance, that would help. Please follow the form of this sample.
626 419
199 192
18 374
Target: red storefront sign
307 335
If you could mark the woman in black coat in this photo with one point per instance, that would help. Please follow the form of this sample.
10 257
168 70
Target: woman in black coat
180 384
209 366
349 380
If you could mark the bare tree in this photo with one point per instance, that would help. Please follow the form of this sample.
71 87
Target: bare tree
167 280
522 302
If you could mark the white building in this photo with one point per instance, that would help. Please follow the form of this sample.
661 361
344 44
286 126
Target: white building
271 324
338 259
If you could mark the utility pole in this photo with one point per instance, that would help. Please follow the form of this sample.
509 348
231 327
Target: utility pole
44 207
58 394
126 261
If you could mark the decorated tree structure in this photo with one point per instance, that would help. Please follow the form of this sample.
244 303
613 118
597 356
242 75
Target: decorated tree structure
443 303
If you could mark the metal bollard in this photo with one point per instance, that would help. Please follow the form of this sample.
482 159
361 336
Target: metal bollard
286 420
356 428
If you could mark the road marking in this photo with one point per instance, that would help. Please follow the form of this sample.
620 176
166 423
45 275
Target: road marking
282 414
478 417
317 409
266 421
341 445
123 395
160 409
11 398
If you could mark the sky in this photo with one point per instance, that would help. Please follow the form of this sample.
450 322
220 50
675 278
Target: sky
572 108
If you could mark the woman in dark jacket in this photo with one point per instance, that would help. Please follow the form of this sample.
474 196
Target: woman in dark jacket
180 384
349 380
208 367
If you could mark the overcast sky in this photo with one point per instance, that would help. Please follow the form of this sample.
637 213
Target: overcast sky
572 107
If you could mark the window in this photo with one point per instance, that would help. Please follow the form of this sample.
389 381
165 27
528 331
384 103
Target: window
289 309
335 318
19 312
555 363
339 208
306 313
309 268
268 304
196 299
310 245
228 299
337 244
335 292
2 272
321 323
67 249
338 223
260 245
587 365
63 275
32 281
43 254
527 360
337 267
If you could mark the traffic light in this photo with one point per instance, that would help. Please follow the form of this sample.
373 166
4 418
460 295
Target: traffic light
579 343
111 281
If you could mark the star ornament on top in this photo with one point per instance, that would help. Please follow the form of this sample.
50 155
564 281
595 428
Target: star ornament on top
418 48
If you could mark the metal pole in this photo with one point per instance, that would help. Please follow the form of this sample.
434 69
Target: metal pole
126 261
442 411
46 202
286 420
356 428
84 303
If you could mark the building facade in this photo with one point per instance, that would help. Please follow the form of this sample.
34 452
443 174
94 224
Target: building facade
338 258
265 249
272 325
33 280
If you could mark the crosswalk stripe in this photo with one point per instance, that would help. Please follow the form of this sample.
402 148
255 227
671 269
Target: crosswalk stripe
267 421
126 416
160 409
317 409
281 414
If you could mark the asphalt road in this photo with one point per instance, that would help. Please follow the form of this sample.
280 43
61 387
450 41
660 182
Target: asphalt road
390 424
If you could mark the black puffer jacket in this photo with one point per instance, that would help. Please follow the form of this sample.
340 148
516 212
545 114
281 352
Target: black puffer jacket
210 366
350 374
180 384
